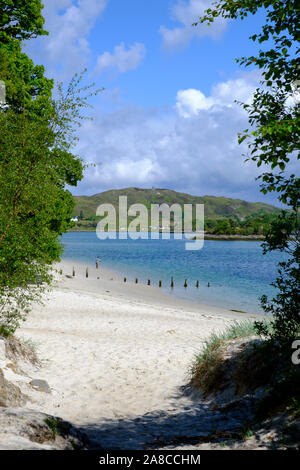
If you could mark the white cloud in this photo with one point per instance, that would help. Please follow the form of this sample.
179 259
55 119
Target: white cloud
186 13
121 59
198 153
66 49
191 101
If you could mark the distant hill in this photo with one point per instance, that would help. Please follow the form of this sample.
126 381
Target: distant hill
216 208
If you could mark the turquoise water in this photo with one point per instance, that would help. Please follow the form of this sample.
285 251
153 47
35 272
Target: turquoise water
237 271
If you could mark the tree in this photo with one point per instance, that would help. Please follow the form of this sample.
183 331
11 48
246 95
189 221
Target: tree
223 227
273 140
20 20
36 164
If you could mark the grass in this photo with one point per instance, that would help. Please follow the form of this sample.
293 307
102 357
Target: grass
258 364
19 347
246 434
52 424
4 331
30 343
206 372
282 393
295 405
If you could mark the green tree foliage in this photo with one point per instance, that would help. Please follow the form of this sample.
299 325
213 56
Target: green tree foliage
20 19
36 164
223 227
25 83
273 140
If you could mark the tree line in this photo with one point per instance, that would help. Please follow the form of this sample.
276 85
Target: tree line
38 133
273 143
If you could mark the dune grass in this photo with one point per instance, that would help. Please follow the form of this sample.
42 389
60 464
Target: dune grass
206 369
259 364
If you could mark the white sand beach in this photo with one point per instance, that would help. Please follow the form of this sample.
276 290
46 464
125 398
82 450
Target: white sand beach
113 351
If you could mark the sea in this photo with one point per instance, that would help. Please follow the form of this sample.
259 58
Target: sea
230 274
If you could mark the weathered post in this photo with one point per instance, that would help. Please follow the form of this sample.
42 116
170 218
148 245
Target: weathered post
136 280
87 272
159 284
125 279
149 282
197 284
172 283
73 271
185 284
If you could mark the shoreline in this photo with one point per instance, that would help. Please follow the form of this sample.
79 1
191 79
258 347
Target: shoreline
111 280
234 237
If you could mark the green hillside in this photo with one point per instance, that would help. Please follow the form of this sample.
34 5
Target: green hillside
222 215
215 207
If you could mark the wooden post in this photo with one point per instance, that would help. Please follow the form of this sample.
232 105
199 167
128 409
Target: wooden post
208 284
87 272
73 271
185 284
172 282
159 284
124 279
197 284
148 282
136 280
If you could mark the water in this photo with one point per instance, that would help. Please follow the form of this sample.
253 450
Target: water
237 271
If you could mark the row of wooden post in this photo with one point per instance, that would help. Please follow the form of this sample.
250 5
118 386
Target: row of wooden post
86 272
148 283
171 285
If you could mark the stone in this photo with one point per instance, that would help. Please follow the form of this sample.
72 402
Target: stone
2 349
10 394
21 429
40 385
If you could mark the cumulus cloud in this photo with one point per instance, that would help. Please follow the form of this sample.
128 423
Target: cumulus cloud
69 23
121 59
191 101
186 13
194 151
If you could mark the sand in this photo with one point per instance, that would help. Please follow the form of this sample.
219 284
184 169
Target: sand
115 352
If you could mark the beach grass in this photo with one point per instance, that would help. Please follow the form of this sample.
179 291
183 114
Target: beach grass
254 363
205 371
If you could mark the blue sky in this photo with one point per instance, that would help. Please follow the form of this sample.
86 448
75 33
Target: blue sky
167 117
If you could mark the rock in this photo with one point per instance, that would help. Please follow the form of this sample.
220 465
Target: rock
40 385
10 394
2 349
13 367
22 429
16 349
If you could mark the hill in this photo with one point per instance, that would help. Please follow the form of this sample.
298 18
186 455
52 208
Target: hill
215 207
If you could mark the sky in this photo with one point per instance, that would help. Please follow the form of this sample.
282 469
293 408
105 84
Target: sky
166 117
